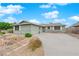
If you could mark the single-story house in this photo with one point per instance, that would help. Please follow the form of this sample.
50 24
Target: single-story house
76 27
28 27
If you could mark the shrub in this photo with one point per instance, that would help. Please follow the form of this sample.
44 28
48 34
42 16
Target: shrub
34 44
28 35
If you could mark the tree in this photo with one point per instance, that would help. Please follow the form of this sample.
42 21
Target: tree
5 26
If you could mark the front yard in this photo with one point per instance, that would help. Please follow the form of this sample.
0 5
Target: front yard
11 44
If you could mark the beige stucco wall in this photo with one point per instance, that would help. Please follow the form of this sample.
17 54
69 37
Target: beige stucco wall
23 29
41 30
63 29
35 29
27 29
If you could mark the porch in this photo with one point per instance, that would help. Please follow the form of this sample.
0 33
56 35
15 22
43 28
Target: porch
52 29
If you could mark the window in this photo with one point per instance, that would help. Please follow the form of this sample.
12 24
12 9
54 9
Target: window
48 27
17 27
57 27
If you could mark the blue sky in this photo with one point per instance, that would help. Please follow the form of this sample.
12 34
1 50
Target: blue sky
65 13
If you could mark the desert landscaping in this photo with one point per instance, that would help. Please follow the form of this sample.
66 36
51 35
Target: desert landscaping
15 45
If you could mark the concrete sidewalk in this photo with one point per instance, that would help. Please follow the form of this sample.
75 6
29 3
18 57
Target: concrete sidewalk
59 44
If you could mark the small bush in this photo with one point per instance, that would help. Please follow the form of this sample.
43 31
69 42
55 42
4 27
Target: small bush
34 44
28 35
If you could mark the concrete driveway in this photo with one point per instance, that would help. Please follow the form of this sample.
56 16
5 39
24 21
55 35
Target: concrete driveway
59 44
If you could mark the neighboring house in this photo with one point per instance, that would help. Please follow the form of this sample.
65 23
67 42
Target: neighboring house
76 27
70 29
28 27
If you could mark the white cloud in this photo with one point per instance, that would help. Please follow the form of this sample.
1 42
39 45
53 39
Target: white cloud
49 5
52 5
76 18
62 4
52 14
63 21
10 20
34 21
67 23
1 15
45 6
11 9
59 20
